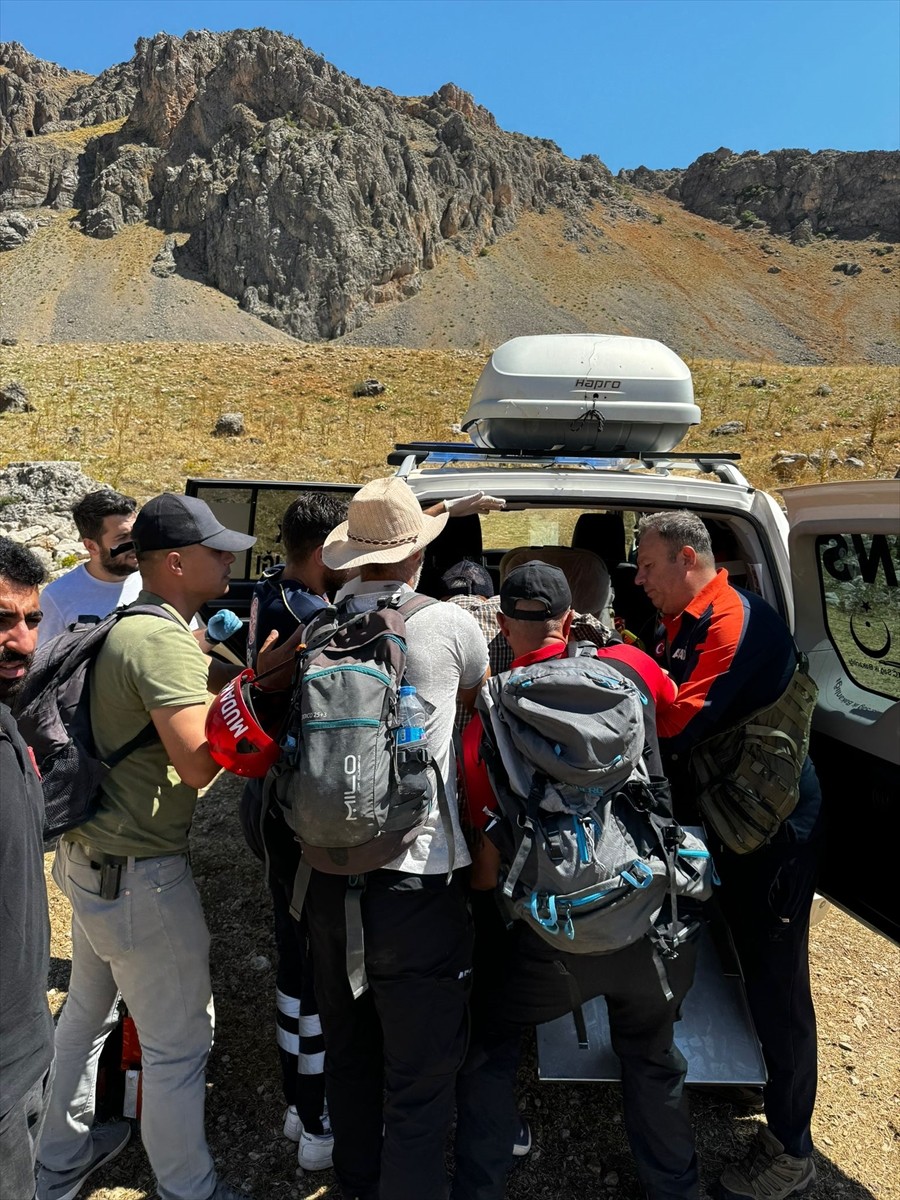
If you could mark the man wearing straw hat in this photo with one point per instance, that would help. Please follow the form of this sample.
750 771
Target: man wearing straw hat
392 1055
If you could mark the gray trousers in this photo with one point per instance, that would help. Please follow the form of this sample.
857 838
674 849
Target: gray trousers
20 1129
152 945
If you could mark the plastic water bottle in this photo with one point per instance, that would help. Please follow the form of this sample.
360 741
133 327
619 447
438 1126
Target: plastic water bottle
414 776
410 734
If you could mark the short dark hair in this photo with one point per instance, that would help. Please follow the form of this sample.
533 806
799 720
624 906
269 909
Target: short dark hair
309 519
19 565
678 528
92 510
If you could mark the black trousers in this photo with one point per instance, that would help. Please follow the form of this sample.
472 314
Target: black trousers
391 1057
298 1030
520 980
766 897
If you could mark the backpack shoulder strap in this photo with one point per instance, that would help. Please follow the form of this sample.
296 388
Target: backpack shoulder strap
415 604
149 734
145 610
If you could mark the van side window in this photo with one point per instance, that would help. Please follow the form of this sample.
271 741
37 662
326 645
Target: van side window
858 576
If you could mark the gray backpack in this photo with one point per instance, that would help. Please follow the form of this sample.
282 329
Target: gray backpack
588 845
353 799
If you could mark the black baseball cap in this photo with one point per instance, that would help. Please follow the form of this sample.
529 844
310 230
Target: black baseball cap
467 578
535 581
169 521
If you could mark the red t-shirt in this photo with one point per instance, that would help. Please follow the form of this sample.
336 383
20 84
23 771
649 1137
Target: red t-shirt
480 801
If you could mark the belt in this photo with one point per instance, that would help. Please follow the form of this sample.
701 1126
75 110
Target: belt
100 861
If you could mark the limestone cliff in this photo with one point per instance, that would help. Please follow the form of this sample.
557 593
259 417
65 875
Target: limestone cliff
308 196
792 192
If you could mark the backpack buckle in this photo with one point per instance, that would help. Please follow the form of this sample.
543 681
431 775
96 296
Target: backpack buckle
543 908
640 875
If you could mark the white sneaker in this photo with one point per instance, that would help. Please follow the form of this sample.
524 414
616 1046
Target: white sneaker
314 1151
293 1126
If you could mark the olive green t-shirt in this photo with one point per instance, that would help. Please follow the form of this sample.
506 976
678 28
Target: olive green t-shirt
145 663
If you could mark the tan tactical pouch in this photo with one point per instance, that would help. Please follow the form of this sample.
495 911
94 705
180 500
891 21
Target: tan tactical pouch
748 776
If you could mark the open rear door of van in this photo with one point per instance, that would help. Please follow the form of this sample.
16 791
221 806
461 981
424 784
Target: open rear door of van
844 548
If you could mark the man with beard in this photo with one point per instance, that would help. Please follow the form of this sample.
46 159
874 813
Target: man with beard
26 1028
108 579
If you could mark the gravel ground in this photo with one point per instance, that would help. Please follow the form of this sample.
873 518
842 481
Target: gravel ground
580 1151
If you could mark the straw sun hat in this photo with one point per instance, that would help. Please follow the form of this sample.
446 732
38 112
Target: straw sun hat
385 525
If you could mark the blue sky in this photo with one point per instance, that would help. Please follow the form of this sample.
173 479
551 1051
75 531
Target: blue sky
657 82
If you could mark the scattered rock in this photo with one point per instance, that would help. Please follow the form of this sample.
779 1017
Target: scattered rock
787 466
856 463
728 429
829 457
822 390
259 962
164 266
37 509
14 398
9 341
16 228
774 271
229 425
368 387
757 381
802 234
848 268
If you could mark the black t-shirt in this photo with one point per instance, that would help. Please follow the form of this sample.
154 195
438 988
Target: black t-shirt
26 1027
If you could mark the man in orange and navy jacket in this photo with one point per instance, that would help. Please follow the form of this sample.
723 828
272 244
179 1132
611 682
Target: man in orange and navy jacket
730 653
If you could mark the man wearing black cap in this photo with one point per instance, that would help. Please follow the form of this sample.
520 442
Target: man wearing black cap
520 980
137 923
468 584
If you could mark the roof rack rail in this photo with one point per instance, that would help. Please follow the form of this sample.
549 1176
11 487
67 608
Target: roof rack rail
441 453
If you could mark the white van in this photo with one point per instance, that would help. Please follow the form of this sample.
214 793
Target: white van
577 434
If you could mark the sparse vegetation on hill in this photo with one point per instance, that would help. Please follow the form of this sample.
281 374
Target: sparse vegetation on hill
141 416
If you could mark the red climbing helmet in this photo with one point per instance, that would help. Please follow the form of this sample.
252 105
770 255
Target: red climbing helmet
237 740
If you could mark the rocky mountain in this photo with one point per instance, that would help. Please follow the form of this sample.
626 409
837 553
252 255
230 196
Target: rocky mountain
308 196
318 203
792 192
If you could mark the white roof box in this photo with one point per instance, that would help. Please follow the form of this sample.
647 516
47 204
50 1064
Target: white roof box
585 393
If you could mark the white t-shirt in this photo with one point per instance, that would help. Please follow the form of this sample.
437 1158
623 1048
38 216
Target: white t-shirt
446 651
78 594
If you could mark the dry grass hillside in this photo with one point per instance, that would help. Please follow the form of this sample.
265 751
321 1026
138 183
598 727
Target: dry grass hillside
707 290
140 416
